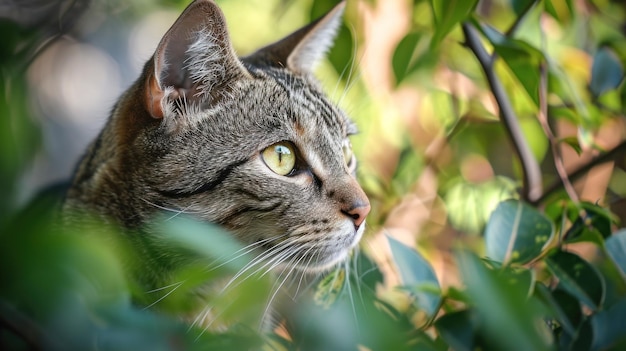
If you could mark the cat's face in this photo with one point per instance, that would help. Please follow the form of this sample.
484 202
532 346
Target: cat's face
251 144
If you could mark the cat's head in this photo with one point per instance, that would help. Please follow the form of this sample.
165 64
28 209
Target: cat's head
249 143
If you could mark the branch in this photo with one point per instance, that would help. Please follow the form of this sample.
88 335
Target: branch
609 156
530 167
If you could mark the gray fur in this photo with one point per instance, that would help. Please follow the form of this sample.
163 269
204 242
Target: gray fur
188 139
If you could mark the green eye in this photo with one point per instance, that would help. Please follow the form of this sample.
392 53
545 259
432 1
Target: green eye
348 155
280 158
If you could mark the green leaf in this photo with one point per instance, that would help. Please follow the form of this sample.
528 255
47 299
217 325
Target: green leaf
496 303
561 10
616 248
522 58
447 14
329 288
609 327
565 308
606 71
458 329
595 227
516 232
577 277
417 276
521 278
521 6
403 61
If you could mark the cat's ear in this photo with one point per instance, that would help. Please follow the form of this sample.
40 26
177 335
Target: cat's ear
194 62
304 48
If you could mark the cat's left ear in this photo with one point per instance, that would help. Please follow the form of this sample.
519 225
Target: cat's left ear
194 64
304 48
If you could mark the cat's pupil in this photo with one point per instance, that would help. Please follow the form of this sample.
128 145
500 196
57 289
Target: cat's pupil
281 150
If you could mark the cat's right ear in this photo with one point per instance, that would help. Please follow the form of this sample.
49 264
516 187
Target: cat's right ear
194 63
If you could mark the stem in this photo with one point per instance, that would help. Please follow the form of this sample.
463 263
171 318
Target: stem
530 167
609 156
542 116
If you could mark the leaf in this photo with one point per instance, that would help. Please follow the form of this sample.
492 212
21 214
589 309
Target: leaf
522 58
417 276
496 303
521 6
447 14
458 329
561 10
616 249
516 232
565 308
595 227
577 277
606 71
403 61
609 327
329 288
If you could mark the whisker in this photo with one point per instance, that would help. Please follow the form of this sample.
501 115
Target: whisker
176 286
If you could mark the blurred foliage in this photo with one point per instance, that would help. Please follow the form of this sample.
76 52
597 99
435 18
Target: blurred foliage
543 272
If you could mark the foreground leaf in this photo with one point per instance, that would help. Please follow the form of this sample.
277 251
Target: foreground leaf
496 302
417 276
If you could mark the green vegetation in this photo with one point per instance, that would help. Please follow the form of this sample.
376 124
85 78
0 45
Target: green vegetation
493 115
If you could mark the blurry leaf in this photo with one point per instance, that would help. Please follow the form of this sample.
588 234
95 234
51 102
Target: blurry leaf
521 6
585 137
521 278
577 277
447 14
329 288
583 338
609 327
573 142
496 302
516 233
616 248
207 240
595 227
403 57
522 58
606 71
417 276
561 10
458 329
565 308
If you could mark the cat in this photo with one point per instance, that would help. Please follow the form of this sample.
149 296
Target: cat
250 144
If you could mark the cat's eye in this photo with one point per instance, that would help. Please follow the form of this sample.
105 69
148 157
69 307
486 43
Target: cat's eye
280 158
348 155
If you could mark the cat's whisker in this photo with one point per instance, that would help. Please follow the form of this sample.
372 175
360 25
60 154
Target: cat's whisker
349 287
241 252
176 286
258 260
177 212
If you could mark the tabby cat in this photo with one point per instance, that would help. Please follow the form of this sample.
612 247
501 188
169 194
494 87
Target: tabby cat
250 143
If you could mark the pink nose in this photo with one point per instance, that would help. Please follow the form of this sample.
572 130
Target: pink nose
358 213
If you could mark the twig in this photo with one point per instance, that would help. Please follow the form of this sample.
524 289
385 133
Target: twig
609 156
542 116
530 167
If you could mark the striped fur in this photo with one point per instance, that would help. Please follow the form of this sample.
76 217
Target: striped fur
188 136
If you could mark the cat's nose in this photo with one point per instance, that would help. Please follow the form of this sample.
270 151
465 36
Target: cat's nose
358 212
